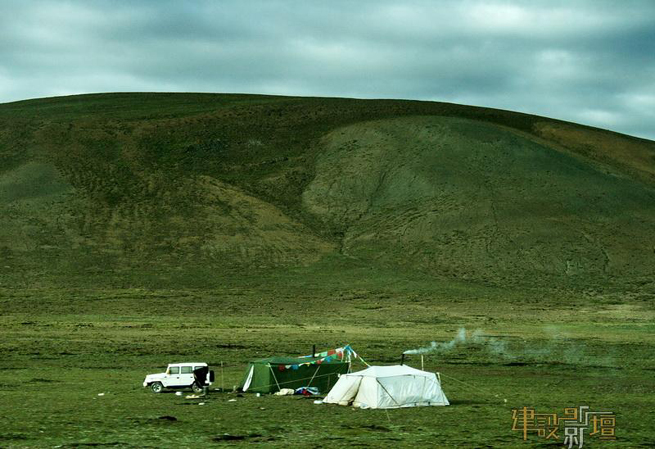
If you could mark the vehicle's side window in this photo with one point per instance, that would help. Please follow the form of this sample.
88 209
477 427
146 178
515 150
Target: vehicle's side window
174 370
197 367
187 369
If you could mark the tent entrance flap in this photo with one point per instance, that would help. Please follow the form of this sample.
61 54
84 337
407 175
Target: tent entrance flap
345 391
248 380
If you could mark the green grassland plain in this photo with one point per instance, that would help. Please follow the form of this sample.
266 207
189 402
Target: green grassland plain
143 229
62 348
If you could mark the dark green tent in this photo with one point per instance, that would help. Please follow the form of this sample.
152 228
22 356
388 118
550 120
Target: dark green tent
272 374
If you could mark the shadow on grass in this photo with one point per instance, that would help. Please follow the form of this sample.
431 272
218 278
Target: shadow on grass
468 402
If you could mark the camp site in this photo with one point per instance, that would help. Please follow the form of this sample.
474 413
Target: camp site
327 224
328 373
326 377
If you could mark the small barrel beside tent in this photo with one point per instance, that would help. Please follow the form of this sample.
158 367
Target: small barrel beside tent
274 373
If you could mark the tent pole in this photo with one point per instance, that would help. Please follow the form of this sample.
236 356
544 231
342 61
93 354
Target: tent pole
315 373
222 379
313 351
422 363
386 391
402 359
274 378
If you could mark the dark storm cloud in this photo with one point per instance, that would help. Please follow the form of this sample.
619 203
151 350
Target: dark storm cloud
586 61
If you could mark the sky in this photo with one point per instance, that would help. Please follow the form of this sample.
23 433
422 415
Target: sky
590 62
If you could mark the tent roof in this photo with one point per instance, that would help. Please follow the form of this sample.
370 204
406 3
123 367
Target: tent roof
391 371
291 360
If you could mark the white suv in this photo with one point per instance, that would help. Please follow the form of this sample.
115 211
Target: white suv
181 375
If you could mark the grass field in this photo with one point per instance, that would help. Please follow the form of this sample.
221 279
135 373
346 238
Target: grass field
544 349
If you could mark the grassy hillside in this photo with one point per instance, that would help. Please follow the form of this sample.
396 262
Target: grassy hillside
149 189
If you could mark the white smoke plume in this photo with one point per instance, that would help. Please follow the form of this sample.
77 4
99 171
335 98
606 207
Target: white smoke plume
559 347
493 345
435 346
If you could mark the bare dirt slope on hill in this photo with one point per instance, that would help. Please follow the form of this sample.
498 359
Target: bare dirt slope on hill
476 200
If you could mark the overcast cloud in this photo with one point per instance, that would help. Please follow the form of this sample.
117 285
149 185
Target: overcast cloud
590 62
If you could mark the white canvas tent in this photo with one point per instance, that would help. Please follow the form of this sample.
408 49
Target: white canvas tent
387 387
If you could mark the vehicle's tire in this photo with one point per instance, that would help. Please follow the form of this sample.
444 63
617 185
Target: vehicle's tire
156 387
196 388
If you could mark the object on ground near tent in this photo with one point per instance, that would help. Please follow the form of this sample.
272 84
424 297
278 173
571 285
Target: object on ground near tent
388 387
285 392
178 393
307 391
201 403
101 394
232 400
193 396
318 402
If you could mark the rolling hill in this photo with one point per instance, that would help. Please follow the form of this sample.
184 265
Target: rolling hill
134 189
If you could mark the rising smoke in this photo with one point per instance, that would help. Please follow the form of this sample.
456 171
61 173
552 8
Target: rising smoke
557 348
462 337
